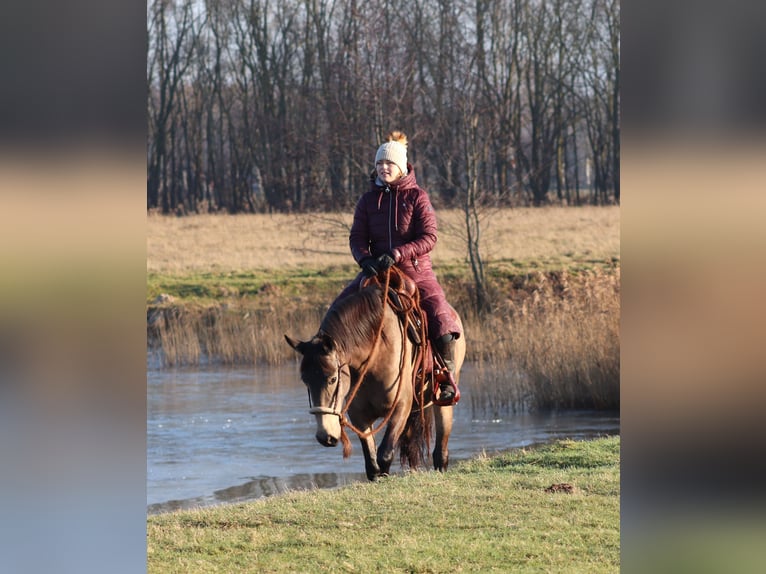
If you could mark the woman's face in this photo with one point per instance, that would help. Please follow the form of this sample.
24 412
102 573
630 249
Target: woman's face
388 171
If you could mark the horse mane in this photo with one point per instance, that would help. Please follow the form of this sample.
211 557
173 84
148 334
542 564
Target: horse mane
353 321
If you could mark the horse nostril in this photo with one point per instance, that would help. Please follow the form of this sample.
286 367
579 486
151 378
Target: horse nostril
326 440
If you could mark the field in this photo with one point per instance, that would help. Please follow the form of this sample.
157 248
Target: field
553 508
226 288
552 237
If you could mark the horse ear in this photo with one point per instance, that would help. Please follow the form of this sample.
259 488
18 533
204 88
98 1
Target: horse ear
294 344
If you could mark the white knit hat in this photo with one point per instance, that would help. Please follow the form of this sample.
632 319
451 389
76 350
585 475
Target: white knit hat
394 152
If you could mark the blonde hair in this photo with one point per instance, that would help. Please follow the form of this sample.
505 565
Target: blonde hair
397 136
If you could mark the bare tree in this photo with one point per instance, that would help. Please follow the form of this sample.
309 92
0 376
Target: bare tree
599 98
171 41
257 105
475 148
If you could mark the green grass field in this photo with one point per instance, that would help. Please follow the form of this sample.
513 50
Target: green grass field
491 514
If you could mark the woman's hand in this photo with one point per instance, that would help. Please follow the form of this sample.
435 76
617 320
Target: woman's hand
384 261
369 266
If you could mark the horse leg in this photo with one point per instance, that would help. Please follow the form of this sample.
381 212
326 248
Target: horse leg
370 457
391 438
443 427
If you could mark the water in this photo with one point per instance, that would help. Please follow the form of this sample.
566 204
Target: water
227 435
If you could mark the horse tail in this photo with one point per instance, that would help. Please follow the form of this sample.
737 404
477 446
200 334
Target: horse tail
415 441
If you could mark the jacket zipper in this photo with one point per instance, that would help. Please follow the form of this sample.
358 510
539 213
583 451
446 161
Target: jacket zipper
390 233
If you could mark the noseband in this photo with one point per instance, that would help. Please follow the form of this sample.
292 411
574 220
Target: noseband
332 410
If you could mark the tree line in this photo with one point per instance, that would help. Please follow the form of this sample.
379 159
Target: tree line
259 105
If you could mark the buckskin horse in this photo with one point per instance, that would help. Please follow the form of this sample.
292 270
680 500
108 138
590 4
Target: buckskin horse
368 362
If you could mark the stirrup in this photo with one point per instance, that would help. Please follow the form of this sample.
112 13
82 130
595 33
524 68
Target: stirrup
445 376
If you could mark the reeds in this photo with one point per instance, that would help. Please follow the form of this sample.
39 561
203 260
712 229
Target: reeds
552 341
172 335
224 335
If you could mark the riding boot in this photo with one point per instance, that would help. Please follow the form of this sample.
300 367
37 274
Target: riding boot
448 391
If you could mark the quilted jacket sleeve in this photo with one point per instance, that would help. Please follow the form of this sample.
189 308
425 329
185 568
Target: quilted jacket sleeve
424 229
359 238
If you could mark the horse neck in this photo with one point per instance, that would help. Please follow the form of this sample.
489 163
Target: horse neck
370 354
358 356
354 325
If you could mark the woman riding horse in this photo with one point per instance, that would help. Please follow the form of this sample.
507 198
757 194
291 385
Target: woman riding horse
395 224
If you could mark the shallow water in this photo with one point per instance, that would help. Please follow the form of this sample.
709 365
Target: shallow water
217 435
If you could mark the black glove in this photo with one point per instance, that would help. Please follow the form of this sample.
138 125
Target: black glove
384 261
369 266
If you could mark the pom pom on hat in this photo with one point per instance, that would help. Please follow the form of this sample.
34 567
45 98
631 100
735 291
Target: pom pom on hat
394 150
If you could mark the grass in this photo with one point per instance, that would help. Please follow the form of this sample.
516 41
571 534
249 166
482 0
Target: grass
491 514
226 288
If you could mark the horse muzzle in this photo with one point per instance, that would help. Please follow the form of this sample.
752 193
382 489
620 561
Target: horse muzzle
325 439
328 427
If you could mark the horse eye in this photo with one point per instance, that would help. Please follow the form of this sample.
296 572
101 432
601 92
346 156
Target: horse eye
333 380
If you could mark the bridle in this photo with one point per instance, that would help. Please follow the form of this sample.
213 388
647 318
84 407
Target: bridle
333 409
341 414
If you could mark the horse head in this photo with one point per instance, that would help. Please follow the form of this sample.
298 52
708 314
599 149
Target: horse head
327 380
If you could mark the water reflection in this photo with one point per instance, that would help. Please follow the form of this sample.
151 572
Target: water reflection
261 487
222 436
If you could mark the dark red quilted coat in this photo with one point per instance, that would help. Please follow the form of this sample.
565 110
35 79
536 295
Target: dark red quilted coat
400 218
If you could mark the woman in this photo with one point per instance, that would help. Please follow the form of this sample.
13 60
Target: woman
394 224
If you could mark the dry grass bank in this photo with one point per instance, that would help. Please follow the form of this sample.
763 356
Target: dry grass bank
240 282
209 243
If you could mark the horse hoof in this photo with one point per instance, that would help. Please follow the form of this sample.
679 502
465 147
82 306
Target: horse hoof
377 476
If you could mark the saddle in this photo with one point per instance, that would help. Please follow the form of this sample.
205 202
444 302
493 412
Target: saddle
414 320
404 298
